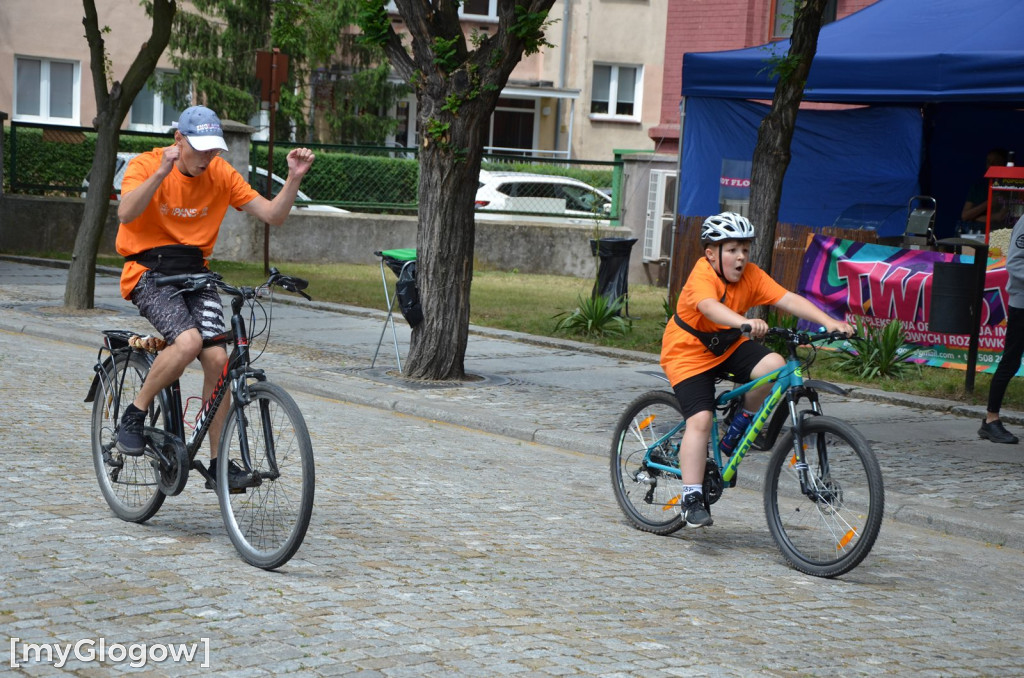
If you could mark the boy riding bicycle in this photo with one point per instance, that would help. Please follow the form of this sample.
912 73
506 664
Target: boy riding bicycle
173 200
703 342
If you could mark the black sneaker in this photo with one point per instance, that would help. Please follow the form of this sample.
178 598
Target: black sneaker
694 512
130 440
238 479
995 432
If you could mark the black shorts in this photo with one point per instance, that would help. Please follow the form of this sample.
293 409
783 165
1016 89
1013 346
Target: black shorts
201 310
697 394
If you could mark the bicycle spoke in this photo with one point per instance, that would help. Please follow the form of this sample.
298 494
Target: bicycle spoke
831 528
648 496
129 484
267 522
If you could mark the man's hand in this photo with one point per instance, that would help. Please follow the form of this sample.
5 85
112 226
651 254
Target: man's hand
299 162
170 156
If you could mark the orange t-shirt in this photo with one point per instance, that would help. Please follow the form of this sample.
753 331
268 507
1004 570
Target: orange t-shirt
184 210
682 354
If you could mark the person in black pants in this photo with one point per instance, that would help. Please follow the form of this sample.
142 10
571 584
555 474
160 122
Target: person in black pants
991 427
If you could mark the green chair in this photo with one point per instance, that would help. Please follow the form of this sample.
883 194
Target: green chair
403 263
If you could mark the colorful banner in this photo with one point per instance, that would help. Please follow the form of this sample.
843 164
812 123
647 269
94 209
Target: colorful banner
879 284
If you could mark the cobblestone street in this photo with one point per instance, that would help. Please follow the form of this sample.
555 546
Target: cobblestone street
440 550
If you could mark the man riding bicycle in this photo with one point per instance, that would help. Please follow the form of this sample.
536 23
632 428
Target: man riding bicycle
173 201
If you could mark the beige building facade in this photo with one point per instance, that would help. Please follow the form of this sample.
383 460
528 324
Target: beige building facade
596 90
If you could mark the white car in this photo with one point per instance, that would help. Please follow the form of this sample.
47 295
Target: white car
121 164
541 195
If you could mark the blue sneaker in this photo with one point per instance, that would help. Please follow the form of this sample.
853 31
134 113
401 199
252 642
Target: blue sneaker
130 440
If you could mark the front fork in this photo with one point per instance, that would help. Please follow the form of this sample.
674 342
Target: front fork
801 466
240 382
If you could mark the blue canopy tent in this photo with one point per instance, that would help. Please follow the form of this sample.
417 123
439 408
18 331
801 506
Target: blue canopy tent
935 85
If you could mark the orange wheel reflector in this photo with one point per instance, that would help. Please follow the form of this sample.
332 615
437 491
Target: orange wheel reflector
671 503
847 538
646 422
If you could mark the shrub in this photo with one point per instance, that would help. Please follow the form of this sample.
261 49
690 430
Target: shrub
594 317
877 352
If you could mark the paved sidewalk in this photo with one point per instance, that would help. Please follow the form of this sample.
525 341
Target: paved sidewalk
938 473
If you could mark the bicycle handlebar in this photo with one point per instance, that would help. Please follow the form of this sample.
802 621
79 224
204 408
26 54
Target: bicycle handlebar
803 338
192 282
799 337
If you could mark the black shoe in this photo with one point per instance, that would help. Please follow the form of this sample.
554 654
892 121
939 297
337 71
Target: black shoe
130 440
995 432
238 479
694 513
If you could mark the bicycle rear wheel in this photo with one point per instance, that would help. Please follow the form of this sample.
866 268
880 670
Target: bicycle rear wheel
649 497
130 485
830 532
267 523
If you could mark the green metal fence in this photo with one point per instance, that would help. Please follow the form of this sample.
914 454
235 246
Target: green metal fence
50 160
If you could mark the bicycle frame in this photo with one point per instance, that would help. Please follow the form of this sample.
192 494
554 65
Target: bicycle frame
235 376
787 383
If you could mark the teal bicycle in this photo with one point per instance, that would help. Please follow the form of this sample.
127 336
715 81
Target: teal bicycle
823 493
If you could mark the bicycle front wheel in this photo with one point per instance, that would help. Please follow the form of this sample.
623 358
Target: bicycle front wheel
268 522
829 530
131 485
648 496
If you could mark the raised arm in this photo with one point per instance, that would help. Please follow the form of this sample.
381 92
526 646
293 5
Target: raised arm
276 211
134 202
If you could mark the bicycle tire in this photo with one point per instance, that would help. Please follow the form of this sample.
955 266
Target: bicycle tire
267 523
649 498
831 534
130 485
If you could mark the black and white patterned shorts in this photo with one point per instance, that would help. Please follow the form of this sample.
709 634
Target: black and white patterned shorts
202 310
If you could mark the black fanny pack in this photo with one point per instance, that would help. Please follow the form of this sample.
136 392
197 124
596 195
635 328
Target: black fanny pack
171 259
716 342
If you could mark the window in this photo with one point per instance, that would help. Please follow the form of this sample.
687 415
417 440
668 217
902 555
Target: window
513 127
46 90
480 8
151 111
471 9
616 92
782 26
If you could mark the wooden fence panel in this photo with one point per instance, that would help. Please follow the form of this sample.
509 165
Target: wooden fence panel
787 255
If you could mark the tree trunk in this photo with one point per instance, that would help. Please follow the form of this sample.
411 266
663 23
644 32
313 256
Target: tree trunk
457 89
112 107
79 292
775 135
446 237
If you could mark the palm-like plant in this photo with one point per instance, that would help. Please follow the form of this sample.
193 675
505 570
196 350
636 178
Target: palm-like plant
594 317
877 352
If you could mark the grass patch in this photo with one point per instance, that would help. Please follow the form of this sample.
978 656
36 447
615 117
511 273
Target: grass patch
533 303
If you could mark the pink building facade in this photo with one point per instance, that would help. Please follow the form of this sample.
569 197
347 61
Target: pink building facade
718 25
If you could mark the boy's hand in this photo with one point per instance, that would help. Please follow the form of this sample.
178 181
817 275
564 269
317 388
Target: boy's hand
839 326
758 327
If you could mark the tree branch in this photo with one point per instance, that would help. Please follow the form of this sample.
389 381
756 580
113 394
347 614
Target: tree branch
97 51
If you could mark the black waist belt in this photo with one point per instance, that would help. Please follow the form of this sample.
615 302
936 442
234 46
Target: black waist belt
171 259
716 342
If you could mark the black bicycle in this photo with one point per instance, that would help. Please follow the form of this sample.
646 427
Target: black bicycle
264 432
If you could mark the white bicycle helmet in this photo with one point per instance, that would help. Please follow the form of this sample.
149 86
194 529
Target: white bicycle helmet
726 226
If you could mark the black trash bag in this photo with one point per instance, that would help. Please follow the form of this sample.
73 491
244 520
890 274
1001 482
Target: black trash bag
613 271
409 295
